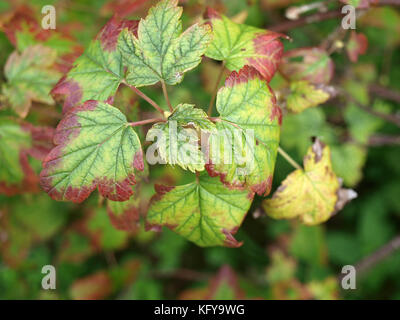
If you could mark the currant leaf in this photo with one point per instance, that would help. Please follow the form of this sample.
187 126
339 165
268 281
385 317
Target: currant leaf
30 77
160 51
98 72
311 64
247 106
96 147
204 212
304 95
314 194
239 45
178 137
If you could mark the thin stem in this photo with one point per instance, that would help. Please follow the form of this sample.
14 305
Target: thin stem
387 117
321 16
143 122
289 159
379 255
221 73
164 88
145 97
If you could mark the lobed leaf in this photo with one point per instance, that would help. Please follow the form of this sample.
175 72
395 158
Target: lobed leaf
313 195
98 72
30 77
204 211
247 106
311 64
304 95
239 45
178 137
160 51
96 147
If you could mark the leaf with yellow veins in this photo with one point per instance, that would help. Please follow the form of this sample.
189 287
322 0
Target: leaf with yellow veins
160 51
304 95
314 194
204 211
178 137
242 151
239 45
95 148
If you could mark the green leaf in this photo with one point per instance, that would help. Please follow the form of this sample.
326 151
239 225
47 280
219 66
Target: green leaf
160 51
16 173
248 128
298 129
96 147
361 123
100 230
239 45
308 244
98 72
313 195
204 211
348 161
178 137
304 95
30 77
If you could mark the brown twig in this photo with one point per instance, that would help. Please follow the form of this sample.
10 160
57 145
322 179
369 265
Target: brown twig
322 16
386 93
383 140
387 117
377 256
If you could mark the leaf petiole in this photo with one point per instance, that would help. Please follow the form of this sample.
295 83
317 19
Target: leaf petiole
143 122
289 159
221 73
145 97
164 88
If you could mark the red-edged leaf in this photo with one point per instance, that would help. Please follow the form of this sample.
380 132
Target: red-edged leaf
357 44
311 64
98 72
95 148
239 45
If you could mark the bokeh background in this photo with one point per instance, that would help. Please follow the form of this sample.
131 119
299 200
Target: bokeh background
279 259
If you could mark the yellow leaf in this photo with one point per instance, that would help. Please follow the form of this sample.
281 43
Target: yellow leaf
313 195
305 95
